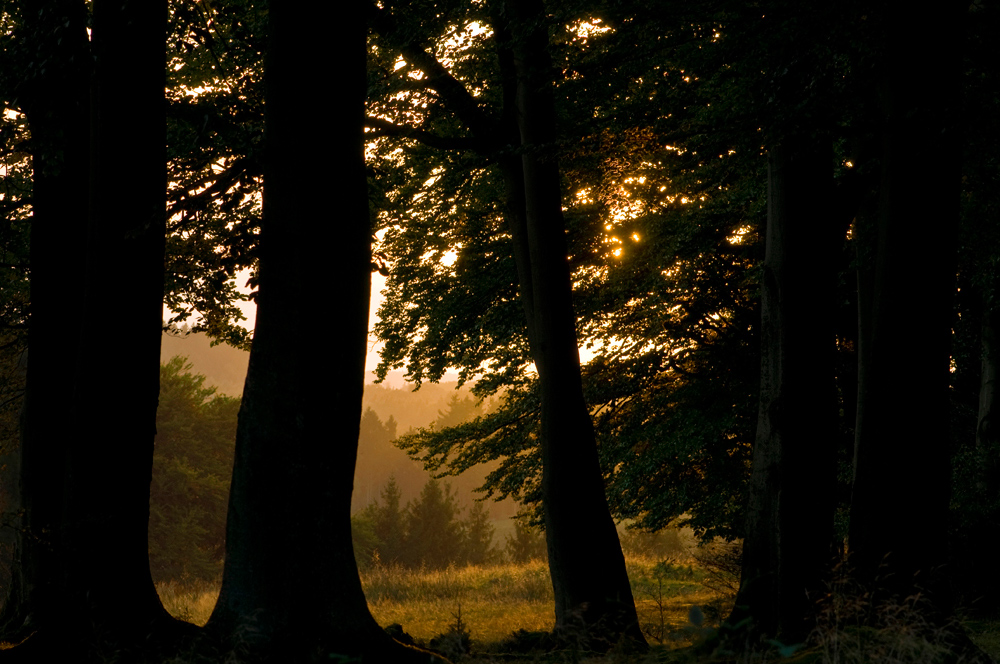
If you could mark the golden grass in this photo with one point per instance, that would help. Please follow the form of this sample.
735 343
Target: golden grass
495 600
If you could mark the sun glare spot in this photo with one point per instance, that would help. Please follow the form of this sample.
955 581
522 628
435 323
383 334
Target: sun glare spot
738 236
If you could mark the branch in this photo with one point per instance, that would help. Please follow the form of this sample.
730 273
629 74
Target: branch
222 183
459 100
386 128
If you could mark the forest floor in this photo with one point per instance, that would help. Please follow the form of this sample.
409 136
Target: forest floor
500 613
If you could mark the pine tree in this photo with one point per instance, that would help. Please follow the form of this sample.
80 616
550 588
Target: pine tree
389 524
433 535
477 536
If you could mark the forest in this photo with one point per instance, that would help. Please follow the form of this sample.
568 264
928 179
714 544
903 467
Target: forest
728 267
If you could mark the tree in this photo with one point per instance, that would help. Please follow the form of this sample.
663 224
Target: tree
477 536
53 94
389 522
787 549
193 461
433 533
526 544
901 484
579 529
298 595
97 593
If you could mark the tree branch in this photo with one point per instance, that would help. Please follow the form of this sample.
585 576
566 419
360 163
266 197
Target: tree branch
386 128
459 100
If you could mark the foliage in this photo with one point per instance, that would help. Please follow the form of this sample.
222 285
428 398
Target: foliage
388 524
526 544
662 243
429 532
192 465
433 534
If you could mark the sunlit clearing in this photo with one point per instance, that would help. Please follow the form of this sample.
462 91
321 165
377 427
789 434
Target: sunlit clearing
10 114
400 63
738 236
449 257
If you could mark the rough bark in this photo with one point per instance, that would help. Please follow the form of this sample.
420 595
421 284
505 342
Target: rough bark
591 586
787 547
901 484
290 589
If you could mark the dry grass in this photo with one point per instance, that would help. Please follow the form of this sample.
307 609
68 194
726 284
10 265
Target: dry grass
495 600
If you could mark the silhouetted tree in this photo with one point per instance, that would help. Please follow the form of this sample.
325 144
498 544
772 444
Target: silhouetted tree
290 584
98 593
54 95
579 530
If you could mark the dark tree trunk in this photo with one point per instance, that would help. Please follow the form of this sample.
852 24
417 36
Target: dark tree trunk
117 383
86 477
792 488
585 558
290 589
902 468
988 426
55 98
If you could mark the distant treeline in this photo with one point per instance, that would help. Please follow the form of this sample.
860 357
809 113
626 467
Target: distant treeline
433 532
389 412
196 429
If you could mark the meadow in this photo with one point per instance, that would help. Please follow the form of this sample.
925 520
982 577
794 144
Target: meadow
495 613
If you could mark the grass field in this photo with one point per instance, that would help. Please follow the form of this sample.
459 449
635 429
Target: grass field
496 601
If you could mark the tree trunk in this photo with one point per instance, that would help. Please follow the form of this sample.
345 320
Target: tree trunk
988 427
902 466
97 595
792 488
110 461
591 586
55 100
290 589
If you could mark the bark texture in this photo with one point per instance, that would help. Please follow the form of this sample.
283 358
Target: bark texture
290 589
790 515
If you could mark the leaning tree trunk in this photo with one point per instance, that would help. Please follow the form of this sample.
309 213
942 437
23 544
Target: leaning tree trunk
792 486
290 589
591 586
55 99
902 466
